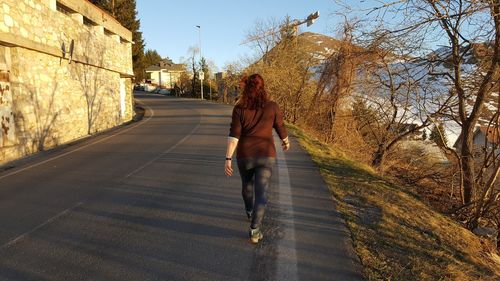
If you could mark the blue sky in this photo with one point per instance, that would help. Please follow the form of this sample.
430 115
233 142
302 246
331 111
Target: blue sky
169 26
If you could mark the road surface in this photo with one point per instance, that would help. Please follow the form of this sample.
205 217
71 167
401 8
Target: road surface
149 201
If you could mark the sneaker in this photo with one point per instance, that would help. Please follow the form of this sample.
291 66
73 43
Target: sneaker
249 215
255 235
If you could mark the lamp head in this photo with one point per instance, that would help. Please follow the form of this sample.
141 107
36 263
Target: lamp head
312 18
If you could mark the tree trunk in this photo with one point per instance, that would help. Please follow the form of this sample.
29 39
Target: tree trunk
333 115
379 156
466 152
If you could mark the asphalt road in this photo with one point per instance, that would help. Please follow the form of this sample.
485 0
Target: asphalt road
149 201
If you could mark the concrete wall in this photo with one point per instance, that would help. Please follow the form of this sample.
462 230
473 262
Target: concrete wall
46 99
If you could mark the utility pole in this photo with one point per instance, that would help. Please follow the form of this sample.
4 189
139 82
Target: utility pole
201 74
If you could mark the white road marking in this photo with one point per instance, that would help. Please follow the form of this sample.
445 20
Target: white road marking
287 254
81 147
15 240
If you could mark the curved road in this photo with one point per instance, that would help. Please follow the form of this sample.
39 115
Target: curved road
149 201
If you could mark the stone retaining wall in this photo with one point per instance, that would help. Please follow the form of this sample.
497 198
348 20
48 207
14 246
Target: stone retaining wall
49 95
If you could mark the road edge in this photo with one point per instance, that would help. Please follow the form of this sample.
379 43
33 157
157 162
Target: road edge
26 160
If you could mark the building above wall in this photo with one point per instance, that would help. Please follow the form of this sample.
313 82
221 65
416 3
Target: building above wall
165 73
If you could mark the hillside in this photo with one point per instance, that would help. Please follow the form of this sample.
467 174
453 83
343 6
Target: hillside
320 47
396 235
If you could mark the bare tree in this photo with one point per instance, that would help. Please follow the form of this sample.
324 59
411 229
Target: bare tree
466 69
395 86
229 83
192 51
264 35
471 89
286 65
336 80
184 84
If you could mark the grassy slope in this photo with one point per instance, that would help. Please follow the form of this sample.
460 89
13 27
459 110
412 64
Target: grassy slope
396 236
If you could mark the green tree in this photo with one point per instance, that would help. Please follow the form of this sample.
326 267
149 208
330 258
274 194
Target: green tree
424 135
438 135
365 117
103 4
125 12
205 68
151 57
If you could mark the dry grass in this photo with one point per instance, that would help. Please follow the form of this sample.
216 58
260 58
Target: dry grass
395 234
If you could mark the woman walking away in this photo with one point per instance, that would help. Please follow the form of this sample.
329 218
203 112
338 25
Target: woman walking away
251 134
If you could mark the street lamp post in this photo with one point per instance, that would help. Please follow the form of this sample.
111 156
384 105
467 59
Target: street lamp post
201 74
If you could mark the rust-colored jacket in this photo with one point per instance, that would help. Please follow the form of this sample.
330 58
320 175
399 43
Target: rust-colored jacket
254 130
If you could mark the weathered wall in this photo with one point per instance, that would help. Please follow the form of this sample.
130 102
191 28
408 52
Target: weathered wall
46 99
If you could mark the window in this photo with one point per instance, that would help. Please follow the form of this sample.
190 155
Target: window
88 22
63 9
108 32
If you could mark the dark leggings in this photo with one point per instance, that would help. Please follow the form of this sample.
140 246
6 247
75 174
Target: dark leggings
255 176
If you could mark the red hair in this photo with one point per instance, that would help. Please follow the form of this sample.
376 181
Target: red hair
254 94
